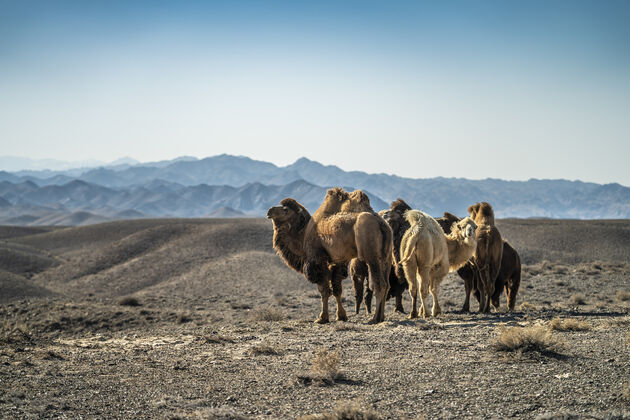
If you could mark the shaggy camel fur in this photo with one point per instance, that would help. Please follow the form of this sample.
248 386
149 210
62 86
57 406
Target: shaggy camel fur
397 281
321 246
487 260
509 277
428 254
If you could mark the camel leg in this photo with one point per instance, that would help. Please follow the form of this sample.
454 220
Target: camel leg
339 273
511 289
468 288
358 293
324 290
424 277
410 267
381 286
368 300
399 306
434 293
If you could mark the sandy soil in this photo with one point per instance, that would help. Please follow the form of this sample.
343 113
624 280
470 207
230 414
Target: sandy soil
199 319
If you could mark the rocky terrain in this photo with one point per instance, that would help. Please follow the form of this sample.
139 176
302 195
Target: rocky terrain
198 318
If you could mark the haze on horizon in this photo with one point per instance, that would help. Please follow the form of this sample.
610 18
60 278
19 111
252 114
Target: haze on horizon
538 89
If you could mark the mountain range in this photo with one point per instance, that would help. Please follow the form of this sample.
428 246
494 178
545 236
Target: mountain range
237 186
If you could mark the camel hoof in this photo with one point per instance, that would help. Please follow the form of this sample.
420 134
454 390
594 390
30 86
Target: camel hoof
321 320
400 310
342 317
373 321
413 315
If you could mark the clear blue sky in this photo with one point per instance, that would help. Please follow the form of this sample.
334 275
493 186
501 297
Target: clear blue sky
476 89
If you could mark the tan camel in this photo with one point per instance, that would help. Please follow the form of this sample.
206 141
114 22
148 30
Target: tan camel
321 246
428 254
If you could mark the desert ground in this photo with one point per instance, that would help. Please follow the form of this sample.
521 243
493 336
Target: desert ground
199 318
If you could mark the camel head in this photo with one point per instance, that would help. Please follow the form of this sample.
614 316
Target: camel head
393 219
446 221
467 227
289 213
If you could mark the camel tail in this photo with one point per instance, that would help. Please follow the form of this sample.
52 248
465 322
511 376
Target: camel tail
408 245
388 245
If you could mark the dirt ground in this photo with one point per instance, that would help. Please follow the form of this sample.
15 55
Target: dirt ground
200 319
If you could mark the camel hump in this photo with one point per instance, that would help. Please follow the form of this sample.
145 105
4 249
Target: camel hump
482 213
399 206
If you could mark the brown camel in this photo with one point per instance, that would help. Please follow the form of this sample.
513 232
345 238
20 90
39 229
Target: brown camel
487 259
428 254
509 278
397 282
321 246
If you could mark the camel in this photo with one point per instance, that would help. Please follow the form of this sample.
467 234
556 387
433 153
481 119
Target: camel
397 281
509 278
321 246
428 255
487 259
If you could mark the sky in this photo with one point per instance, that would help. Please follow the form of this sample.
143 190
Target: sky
476 89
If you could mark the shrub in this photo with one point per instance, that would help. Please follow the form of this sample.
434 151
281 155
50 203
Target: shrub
526 306
345 411
569 324
268 313
537 338
623 295
578 299
325 365
264 348
129 301
183 318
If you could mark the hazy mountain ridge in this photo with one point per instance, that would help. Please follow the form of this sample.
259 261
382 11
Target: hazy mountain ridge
226 185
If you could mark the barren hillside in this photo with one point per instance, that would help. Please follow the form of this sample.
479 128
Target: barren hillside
198 318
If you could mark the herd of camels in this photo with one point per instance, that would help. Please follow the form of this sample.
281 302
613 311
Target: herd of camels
394 250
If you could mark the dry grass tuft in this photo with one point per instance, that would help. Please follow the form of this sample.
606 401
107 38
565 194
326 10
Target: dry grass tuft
324 369
325 365
15 334
526 306
345 411
578 299
623 295
268 313
183 317
625 393
537 338
264 349
129 301
569 324
348 326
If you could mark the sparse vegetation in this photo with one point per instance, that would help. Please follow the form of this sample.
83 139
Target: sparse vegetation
129 301
183 317
623 295
578 299
526 306
345 411
324 368
625 393
265 349
569 324
268 313
325 365
537 338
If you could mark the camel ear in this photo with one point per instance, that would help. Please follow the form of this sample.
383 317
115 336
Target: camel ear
472 210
